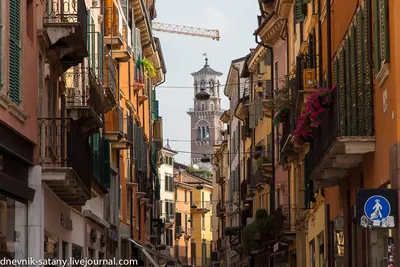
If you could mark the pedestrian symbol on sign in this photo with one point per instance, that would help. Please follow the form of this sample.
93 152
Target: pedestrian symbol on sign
376 211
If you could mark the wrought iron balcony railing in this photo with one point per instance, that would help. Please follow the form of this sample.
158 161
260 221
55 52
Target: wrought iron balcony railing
63 146
67 11
83 89
285 218
221 209
341 120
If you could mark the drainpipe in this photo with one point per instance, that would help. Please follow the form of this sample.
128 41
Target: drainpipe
319 45
329 38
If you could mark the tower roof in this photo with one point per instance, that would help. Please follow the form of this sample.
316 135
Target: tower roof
207 70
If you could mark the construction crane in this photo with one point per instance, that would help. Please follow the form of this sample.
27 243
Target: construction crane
185 30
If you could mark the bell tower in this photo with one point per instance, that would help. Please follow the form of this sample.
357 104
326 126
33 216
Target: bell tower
205 115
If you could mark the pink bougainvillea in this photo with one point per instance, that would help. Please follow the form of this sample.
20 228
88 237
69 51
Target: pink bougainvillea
310 117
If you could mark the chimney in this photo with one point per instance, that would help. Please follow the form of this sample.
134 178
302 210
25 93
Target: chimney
180 176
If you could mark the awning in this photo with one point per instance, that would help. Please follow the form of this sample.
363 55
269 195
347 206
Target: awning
148 251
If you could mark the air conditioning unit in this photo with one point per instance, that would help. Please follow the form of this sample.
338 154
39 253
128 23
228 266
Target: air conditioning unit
309 79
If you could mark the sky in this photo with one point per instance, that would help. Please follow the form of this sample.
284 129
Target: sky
236 21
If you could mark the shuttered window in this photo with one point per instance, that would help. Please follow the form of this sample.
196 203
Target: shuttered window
93 43
352 76
300 11
381 34
15 50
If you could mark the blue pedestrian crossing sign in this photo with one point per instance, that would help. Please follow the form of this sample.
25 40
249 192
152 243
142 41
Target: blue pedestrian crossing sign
377 208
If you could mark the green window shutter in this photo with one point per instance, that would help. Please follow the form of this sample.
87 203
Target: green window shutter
15 51
342 92
352 81
100 52
106 176
367 77
335 72
93 45
360 69
384 29
88 47
377 63
347 87
299 11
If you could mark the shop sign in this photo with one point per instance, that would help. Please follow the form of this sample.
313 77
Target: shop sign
377 208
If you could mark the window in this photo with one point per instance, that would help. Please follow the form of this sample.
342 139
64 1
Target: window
198 134
64 250
76 254
50 247
101 257
191 198
128 206
169 183
203 106
185 196
203 221
381 34
15 52
212 106
91 254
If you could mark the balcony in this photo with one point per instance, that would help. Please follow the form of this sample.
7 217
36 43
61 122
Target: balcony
246 194
222 244
65 35
84 99
341 142
142 189
221 210
201 207
169 220
286 220
258 181
109 82
65 160
114 128
113 27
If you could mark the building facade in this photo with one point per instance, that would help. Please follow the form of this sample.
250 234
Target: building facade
80 136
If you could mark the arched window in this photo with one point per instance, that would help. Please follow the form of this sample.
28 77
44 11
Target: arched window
203 106
203 133
212 87
198 134
207 136
212 106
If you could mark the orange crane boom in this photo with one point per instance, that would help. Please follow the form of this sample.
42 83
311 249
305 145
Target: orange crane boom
185 30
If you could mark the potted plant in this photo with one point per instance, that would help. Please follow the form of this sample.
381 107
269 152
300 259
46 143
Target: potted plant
281 117
284 97
148 68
